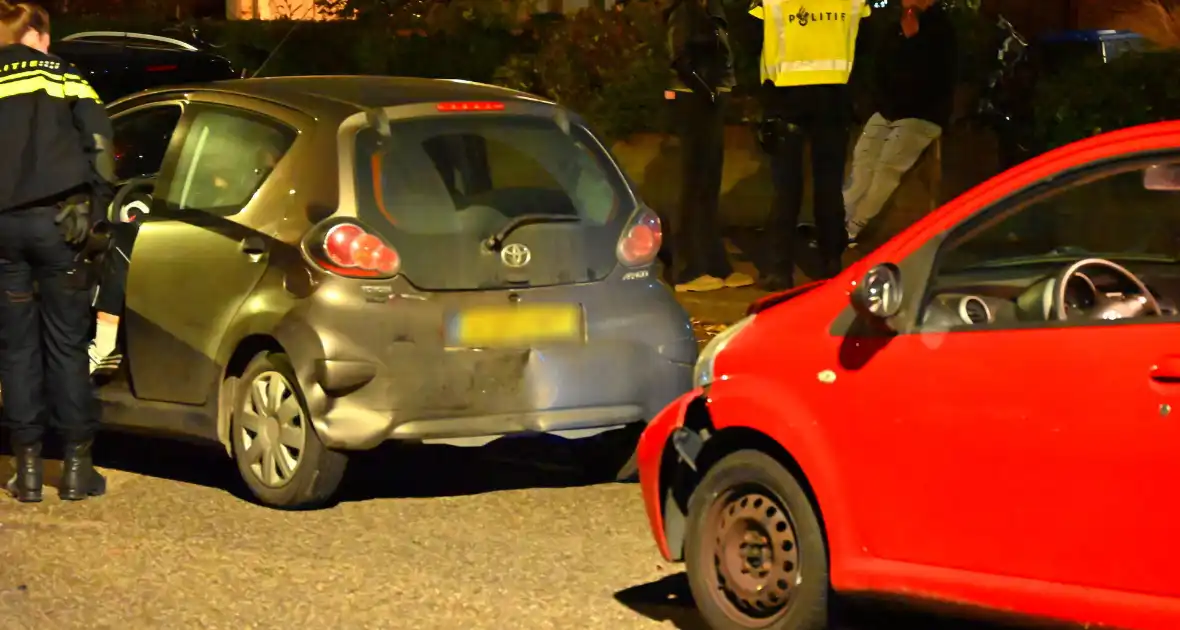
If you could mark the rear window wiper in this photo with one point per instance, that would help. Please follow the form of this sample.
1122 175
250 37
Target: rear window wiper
496 241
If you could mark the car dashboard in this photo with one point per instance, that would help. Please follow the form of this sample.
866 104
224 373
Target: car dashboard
1008 297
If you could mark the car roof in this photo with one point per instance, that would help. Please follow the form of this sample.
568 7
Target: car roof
127 39
322 94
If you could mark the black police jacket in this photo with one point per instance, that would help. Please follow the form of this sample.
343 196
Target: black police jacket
55 135
698 43
915 77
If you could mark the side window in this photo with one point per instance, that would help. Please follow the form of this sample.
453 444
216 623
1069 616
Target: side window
141 140
226 157
1130 213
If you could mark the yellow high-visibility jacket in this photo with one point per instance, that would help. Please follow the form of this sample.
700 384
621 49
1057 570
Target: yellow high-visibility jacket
808 42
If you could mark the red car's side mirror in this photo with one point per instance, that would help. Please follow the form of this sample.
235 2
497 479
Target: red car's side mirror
878 294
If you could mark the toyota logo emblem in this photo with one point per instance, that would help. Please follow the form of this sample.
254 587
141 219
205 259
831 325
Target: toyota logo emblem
516 255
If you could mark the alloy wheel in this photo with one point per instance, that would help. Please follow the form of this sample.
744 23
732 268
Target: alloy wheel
274 429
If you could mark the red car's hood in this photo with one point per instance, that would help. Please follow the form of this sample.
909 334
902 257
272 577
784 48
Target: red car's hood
774 299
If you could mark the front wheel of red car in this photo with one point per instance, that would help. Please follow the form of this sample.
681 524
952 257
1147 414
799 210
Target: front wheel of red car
755 549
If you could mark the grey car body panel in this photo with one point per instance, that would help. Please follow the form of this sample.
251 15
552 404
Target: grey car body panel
369 355
367 388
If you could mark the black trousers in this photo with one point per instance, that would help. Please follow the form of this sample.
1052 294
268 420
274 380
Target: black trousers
112 284
819 114
45 324
697 248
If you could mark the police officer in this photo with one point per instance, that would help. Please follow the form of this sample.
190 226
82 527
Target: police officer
807 52
55 169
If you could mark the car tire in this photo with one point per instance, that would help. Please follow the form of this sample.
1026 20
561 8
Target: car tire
746 496
278 453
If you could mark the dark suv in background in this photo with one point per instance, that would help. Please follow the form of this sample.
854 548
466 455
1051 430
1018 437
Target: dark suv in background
118 63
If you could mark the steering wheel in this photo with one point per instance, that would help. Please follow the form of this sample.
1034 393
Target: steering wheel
133 200
1105 307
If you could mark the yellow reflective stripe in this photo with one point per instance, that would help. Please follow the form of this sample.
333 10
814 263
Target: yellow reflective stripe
55 85
816 65
32 84
77 87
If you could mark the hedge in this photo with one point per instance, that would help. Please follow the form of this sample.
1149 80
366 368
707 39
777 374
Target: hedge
1095 97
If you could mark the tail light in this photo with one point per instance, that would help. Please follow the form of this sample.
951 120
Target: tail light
350 250
640 243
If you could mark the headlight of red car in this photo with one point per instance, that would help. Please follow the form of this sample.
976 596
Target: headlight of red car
702 375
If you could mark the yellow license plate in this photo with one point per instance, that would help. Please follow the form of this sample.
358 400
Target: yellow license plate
520 325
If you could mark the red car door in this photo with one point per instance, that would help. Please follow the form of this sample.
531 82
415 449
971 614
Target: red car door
1048 454
1030 447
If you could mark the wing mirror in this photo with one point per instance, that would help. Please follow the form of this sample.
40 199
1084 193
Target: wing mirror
878 294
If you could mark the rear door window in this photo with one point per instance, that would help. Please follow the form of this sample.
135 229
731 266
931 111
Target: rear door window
439 187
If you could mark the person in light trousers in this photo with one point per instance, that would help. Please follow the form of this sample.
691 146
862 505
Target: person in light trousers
913 88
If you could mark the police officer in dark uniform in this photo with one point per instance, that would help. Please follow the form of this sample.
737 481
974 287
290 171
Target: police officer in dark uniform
56 167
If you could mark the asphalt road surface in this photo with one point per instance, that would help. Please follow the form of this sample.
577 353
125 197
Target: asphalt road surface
433 538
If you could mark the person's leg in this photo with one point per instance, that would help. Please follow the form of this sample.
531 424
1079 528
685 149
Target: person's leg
65 323
20 360
786 172
864 161
829 151
104 351
712 243
905 143
695 122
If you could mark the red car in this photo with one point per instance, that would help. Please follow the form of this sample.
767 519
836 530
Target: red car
981 413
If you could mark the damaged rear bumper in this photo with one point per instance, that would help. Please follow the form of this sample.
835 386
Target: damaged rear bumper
471 397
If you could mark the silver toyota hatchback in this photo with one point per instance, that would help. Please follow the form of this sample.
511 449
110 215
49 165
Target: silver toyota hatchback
330 263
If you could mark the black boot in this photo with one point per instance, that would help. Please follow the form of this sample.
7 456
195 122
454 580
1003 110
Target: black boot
25 485
79 479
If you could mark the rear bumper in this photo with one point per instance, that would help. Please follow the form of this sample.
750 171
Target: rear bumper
451 395
375 365
357 428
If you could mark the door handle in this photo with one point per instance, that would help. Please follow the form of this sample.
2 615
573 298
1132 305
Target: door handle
253 245
1166 369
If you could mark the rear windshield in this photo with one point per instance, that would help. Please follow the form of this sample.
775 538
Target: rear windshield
470 175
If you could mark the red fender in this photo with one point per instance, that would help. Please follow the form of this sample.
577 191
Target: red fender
761 405
650 455
749 402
